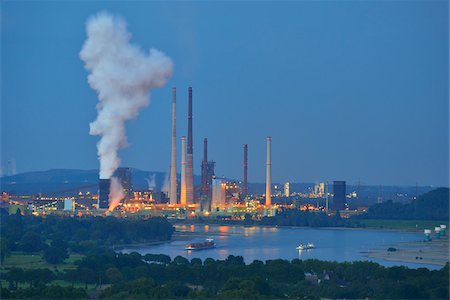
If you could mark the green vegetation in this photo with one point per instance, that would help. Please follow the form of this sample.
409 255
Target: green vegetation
400 224
39 255
35 261
433 205
291 217
54 238
132 276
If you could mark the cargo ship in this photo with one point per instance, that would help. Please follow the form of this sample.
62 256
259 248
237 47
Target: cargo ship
208 243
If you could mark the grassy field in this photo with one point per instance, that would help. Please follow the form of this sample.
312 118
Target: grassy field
402 224
35 261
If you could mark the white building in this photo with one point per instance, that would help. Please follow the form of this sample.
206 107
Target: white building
69 204
286 190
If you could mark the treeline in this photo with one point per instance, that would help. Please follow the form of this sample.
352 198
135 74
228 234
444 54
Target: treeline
292 217
433 205
285 217
132 276
54 236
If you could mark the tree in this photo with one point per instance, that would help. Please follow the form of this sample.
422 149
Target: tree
113 275
30 242
14 276
180 260
196 261
55 254
4 249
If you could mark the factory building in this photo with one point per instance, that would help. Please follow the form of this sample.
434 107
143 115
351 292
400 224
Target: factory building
103 193
207 177
69 204
218 194
339 195
286 189
124 176
319 189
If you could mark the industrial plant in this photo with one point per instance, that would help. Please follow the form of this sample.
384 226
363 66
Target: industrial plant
213 197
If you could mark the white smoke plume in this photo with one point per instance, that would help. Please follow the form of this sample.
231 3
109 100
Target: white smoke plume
166 184
151 181
122 75
115 193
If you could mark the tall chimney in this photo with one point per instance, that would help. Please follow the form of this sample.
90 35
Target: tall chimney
183 171
268 172
205 169
245 170
190 158
173 162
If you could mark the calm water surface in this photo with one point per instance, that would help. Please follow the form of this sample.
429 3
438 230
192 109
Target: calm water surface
265 243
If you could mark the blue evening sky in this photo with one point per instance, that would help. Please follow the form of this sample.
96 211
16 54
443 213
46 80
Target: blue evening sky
349 90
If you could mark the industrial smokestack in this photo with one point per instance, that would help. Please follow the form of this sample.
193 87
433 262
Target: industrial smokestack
190 158
268 172
173 162
245 170
205 169
183 171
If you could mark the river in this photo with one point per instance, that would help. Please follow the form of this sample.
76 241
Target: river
263 243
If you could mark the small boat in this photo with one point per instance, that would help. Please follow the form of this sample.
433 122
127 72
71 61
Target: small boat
305 247
208 243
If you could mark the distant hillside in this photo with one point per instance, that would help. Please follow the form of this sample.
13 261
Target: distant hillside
433 205
69 182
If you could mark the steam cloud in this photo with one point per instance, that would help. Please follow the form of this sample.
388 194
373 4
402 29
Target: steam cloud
115 193
151 181
122 75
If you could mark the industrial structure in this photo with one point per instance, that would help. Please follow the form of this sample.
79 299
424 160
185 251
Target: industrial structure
190 156
173 161
205 190
339 195
245 190
268 172
124 176
207 177
103 193
286 189
183 172
218 194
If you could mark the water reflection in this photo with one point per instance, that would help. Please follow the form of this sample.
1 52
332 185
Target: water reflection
223 229
263 243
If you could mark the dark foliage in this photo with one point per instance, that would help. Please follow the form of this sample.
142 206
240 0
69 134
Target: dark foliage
292 217
81 235
433 205
130 276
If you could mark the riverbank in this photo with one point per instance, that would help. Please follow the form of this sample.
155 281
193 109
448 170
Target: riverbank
384 224
435 252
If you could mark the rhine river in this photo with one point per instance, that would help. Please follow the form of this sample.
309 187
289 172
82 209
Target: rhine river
263 243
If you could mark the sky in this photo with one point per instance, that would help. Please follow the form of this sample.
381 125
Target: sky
348 90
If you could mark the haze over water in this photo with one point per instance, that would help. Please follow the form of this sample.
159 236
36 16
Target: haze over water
264 243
